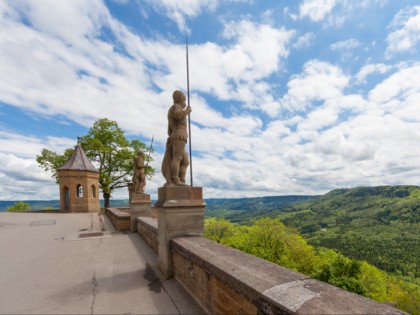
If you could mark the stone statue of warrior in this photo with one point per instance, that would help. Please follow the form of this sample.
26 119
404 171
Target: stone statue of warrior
175 161
139 178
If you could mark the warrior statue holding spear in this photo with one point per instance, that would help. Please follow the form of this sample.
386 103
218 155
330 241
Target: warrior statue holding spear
175 161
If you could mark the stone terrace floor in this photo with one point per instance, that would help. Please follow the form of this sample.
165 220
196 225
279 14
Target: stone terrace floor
54 264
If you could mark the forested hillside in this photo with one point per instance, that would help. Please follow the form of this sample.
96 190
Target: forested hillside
270 239
246 210
378 224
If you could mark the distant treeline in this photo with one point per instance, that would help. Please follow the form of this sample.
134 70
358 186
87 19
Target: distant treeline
54 204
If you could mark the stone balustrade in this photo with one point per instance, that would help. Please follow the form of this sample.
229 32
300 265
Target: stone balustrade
224 280
148 230
119 217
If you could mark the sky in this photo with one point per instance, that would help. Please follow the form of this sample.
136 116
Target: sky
288 97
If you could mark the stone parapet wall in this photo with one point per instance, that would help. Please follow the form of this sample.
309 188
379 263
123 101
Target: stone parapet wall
224 280
124 209
120 220
148 230
153 212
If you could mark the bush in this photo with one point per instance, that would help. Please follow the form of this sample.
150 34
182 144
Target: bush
19 206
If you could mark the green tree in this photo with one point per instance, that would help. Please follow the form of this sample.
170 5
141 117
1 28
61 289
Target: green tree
19 206
340 271
50 161
374 280
270 239
219 230
109 150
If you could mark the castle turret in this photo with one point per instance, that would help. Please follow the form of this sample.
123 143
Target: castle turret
79 183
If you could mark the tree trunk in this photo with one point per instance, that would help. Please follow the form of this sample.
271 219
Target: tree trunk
106 200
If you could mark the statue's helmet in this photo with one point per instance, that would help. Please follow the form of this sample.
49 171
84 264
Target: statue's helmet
178 96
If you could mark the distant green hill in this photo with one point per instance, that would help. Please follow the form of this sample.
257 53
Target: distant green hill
245 210
378 224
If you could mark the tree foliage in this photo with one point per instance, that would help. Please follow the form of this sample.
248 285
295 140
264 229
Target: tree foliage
50 161
270 239
378 224
19 206
110 151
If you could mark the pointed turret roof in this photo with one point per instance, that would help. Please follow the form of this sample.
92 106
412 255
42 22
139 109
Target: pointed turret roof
78 161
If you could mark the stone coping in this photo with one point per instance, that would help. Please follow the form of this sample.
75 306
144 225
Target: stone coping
180 196
149 222
273 289
118 213
137 198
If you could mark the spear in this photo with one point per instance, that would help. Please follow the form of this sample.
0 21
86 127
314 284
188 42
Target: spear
150 151
189 115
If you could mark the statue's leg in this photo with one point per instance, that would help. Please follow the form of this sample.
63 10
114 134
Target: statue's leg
178 148
142 183
183 167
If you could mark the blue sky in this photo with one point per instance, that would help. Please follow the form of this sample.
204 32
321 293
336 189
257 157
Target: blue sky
288 97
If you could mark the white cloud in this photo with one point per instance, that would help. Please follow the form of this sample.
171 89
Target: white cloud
22 179
405 31
370 69
334 13
180 10
257 40
345 44
304 41
316 10
28 146
326 138
319 81
397 88
236 71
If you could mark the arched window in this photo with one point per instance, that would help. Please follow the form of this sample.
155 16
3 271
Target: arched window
93 191
79 191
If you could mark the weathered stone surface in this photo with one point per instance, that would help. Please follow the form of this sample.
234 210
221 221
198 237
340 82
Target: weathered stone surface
139 177
175 161
140 198
180 212
333 300
120 220
201 265
139 206
209 292
110 274
291 295
180 196
242 272
148 229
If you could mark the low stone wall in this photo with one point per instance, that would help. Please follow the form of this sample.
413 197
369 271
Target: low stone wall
154 212
120 220
124 209
148 229
224 280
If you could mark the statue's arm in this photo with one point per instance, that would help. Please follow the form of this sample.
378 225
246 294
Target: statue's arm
180 113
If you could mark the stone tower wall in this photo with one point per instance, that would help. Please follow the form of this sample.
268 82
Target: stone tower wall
71 179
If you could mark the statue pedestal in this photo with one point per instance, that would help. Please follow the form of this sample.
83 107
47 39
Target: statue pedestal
139 207
180 211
